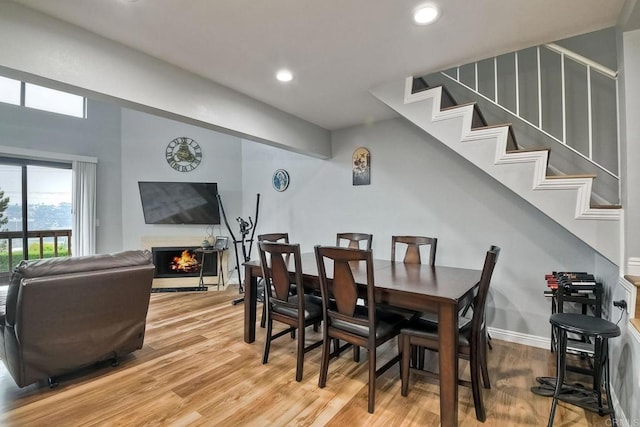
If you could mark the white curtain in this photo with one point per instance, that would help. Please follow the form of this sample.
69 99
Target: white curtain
84 208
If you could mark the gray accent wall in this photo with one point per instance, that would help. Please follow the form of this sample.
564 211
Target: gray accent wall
418 186
97 136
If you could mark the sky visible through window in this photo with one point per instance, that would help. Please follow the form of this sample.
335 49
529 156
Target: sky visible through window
49 186
41 98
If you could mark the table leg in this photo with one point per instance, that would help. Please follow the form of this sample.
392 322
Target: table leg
448 353
250 300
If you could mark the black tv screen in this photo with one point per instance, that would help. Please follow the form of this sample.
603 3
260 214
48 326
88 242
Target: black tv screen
179 202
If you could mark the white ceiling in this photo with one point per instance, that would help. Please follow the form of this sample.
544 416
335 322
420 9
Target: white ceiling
337 49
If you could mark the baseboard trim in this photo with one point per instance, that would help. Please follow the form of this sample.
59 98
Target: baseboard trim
633 266
520 338
621 418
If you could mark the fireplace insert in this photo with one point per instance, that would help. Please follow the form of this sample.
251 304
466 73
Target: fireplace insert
180 261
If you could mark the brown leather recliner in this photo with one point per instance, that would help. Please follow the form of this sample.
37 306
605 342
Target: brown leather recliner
63 314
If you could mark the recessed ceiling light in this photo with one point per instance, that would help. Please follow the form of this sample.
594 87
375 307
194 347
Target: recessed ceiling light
284 76
425 14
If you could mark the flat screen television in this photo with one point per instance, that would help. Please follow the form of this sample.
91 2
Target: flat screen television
179 202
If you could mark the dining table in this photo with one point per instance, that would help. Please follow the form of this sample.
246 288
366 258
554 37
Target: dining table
436 289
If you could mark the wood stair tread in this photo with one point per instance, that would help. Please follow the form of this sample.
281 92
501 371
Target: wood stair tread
457 106
493 126
529 150
586 175
634 280
594 206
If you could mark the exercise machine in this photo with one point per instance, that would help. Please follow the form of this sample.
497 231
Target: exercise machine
245 244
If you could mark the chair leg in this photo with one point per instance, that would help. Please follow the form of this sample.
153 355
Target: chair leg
267 341
263 320
421 352
372 379
561 348
475 386
324 363
336 346
300 355
404 365
607 388
356 353
414 355
483 364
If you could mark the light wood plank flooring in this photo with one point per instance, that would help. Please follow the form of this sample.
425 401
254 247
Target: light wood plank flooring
195 370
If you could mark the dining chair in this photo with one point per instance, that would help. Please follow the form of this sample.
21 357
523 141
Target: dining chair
472 344
343 319
354 240
297 311
413 245
270 237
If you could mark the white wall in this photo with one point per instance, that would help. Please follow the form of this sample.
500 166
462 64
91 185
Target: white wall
418 186
38 48
144 141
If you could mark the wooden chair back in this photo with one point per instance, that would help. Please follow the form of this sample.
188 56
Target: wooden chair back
480 300
274 258
412 254
274 237
354 240
342 289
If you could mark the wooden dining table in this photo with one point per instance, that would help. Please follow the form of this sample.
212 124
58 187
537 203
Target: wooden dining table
437 289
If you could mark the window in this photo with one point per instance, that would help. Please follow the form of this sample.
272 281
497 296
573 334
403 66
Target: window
53 100
41 98
9 91
36 211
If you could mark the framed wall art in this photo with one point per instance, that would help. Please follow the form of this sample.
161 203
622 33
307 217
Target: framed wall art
361 166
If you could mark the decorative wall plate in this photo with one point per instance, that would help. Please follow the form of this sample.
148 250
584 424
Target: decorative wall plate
280 180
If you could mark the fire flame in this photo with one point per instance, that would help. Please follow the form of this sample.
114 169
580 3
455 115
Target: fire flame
186 262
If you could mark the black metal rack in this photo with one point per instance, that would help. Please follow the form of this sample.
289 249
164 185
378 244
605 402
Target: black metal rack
586 300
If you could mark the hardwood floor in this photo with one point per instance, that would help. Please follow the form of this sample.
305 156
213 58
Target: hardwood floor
195 370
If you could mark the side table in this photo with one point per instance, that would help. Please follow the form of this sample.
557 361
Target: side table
219 253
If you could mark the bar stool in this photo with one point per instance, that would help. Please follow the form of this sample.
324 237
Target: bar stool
589 327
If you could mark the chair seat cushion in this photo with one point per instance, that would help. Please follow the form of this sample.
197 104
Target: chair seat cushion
404 312
585 325
428 330
388 324
312 307
433 319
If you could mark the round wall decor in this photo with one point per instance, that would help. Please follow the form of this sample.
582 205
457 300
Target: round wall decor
280 180
183 154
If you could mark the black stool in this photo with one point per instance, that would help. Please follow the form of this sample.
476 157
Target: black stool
589 327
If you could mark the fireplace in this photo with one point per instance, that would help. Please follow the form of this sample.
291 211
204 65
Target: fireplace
180 261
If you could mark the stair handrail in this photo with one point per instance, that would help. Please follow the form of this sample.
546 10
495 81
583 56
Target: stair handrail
564 53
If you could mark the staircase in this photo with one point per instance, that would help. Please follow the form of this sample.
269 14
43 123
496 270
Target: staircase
563 198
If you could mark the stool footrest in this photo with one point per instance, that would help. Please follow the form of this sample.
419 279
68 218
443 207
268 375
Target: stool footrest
575 394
